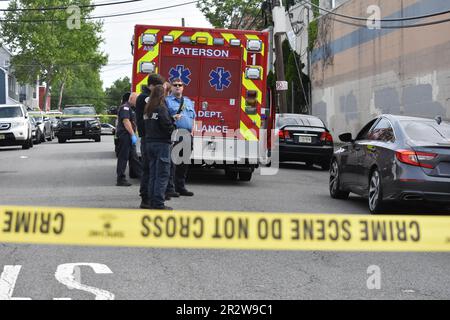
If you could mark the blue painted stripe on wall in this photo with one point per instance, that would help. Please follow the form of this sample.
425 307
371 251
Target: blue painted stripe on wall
363 35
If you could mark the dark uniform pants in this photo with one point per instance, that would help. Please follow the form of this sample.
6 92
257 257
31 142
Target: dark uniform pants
178 174
145 170
127 154
158 154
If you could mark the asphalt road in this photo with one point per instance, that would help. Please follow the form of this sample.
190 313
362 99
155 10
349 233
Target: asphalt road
82 174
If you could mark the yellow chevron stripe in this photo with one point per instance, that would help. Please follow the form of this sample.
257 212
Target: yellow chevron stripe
149 56
255 37
204 34
254 117
228 36
176 34
140 84
248 135
250 85
154 31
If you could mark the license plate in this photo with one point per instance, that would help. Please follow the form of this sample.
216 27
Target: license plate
2 137
302 139
78 133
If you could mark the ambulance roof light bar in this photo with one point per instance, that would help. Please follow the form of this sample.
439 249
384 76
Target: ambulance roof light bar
149 39
168 38
185 39
235 42
219 41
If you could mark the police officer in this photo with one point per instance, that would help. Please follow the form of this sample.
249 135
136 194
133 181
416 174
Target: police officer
153 80
126 128
182 110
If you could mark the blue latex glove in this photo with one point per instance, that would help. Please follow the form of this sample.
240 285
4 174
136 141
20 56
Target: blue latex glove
133 139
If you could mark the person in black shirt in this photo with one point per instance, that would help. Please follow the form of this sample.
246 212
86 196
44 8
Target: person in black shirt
126 128
158 131
153 80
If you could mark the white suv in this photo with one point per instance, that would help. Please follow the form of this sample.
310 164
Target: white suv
15 127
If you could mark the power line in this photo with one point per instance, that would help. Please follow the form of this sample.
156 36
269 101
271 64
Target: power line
425 24
66 7
381 20
103 17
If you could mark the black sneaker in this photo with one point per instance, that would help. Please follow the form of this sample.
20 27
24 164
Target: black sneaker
185 193
145 205
167 197
173 194
123 183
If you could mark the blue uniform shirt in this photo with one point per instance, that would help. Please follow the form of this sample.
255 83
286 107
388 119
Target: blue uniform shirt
188 112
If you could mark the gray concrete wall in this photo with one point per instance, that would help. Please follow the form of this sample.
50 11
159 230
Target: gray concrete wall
359 73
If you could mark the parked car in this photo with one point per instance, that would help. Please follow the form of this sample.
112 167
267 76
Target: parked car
15 128
304 138
35 130
108 129
394 158
82 123
44 125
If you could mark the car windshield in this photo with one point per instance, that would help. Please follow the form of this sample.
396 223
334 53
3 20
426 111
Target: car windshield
427 131
297 120
79 111
10 112
37 117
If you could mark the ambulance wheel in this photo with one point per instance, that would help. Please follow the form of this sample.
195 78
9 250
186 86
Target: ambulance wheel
231 175
245 176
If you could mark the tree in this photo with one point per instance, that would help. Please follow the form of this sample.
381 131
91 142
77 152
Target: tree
51 49
85 88
233 14
117 89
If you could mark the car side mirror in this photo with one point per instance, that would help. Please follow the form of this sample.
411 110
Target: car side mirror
346 137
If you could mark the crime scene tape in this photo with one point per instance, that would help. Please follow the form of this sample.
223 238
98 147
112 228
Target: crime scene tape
81 115
222 230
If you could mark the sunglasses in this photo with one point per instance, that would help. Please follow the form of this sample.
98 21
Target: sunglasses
178 85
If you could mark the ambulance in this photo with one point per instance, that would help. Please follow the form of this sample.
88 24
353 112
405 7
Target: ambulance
225 75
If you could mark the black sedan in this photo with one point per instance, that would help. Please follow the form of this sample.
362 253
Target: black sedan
394 158
304 138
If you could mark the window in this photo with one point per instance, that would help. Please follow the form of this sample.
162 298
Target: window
296 120
363 134
427 131
10 112
382 131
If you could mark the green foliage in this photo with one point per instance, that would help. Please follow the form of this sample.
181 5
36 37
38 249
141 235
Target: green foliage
85 88
233 14
50 50
293 78
316 10
312 34
118 88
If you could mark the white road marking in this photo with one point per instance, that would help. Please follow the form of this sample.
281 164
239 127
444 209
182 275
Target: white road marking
23 157
67 275
8 280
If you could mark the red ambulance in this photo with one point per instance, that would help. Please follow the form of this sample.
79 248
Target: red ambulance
225 75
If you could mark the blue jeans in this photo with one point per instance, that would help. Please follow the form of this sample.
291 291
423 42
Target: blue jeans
158 154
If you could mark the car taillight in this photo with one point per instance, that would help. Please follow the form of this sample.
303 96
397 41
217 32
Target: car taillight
326 137
416 158
284 134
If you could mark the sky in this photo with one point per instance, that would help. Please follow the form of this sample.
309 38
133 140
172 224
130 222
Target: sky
118 31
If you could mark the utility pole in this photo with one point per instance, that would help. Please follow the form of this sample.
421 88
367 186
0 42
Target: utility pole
279 21
183 24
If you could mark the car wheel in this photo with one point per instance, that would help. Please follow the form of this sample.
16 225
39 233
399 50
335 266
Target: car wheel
231 175
60 140
375 193
245 176
309 164
335 183
50 137
26 145
43 136
98 138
